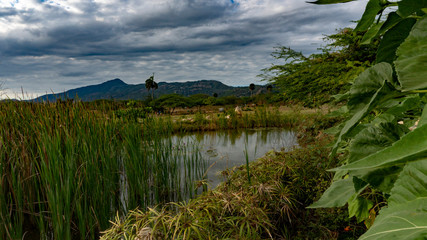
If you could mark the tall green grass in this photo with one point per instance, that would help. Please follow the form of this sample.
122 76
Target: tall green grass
66 170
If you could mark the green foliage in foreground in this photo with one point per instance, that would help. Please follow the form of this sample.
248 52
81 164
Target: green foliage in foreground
312 80
271 206
385 136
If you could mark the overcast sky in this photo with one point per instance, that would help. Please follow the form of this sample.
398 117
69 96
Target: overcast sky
62 44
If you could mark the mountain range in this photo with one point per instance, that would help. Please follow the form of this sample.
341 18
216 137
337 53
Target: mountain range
117 89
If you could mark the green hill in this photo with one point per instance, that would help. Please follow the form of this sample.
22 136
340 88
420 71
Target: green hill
117 89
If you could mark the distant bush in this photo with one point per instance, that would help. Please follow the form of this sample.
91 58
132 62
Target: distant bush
133 114
172 101
198 100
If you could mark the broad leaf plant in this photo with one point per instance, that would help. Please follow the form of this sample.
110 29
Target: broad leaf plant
384 140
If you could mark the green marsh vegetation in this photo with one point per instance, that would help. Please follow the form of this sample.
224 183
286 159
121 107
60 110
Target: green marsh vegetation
269 205
67 168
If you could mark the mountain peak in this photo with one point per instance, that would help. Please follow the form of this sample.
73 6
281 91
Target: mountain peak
116 81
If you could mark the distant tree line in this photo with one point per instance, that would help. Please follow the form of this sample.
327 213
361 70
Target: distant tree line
168 103
173 101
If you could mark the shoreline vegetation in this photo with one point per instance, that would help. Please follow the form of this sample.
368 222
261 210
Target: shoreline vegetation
271 205
65 167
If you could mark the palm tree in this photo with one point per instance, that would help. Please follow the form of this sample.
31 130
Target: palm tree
151 84
251 87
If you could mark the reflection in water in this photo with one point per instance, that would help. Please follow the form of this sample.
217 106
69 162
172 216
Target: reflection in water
226 149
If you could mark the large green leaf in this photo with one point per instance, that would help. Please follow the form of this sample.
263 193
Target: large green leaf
411 63
406 216
330 1
392 19
392 39
403 221
372 9
382 179
411 185
359 207
336 195
371 33
372 85
409 103
373 139
410 147
354 121
408 7
423 119
369 81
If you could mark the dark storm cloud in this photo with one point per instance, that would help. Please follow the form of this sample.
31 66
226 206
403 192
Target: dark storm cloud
187 25
193 14
103 38
93 41
75 74
4 12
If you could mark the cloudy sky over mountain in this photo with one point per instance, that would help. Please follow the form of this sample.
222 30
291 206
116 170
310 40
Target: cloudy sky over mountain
61 44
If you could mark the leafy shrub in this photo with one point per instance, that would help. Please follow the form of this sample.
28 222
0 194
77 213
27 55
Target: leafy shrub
385 134
312 80
172 101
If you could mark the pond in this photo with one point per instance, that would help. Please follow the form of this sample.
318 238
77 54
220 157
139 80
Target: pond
157 170
227 149
168 169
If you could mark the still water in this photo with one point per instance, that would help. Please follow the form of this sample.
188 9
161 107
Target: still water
226 149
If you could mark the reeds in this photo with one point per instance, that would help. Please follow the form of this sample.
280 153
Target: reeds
66 170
